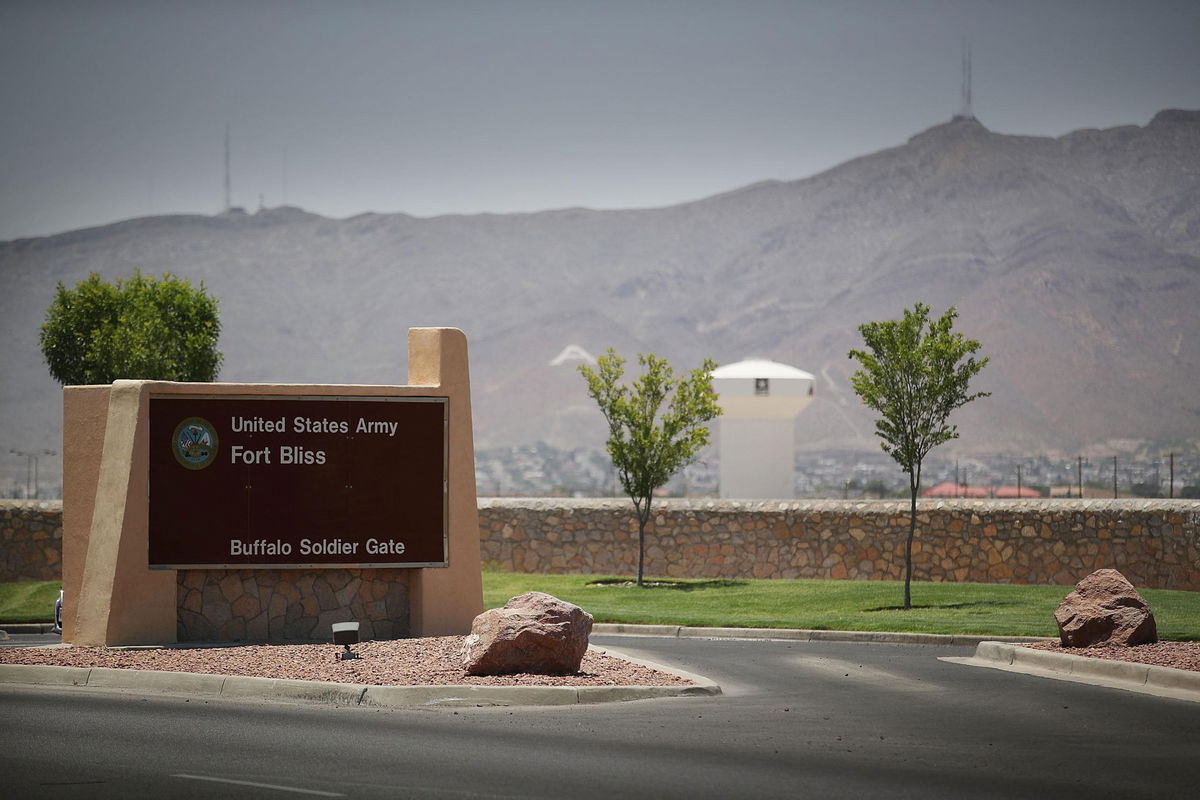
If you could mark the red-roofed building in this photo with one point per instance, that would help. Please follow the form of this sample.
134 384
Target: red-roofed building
1013 491
952 489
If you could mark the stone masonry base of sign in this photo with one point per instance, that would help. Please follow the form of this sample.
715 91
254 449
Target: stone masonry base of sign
1155 543
291 605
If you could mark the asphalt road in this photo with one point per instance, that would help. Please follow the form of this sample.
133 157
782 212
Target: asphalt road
29 639
803 719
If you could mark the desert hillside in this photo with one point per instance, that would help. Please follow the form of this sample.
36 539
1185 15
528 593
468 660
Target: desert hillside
1075 260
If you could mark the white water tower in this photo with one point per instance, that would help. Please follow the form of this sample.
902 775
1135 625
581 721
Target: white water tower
760 401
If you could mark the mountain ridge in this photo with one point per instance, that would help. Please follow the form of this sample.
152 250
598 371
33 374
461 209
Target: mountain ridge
1075 260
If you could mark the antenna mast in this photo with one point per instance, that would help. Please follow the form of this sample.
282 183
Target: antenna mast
967 112
228 204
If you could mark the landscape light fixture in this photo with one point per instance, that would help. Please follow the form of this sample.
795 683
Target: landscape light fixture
345 634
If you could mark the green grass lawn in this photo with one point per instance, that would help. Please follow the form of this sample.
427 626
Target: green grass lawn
979 608
990 609
28 601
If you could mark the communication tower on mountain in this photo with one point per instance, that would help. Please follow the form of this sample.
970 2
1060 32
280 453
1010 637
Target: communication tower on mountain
228 203
967 111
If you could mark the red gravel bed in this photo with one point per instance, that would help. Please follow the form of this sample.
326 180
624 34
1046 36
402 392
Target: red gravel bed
402 662
1178 655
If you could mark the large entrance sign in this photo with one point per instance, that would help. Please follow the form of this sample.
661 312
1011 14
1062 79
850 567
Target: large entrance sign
267 511
297 482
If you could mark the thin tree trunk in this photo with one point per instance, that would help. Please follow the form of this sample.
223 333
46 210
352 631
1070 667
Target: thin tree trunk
643 515
641 550
913 482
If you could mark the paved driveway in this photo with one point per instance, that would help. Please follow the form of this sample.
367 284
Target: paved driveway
804 719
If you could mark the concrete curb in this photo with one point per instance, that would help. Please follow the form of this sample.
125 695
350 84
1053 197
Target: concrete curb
26 627
803 635
238 687
700 684
1146 678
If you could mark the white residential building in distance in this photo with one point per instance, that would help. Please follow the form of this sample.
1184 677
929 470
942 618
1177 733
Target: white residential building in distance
759 401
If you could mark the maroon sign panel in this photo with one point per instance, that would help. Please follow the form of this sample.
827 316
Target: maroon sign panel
297 482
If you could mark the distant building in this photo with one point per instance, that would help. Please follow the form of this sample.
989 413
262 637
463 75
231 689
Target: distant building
1015 492
1072 490
759 401
952 489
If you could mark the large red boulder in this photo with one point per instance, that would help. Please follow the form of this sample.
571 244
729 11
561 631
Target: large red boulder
1105 609
535 633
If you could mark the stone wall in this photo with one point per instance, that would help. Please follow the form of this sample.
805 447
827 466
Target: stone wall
291 605
30 540
1155 543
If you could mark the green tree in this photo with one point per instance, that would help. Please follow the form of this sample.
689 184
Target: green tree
142 328
914 373
647 449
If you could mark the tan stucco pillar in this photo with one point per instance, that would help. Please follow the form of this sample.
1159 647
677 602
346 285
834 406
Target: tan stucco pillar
446 600
119 599
85 418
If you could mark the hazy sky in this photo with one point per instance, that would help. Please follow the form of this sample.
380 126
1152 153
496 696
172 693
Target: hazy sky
113 110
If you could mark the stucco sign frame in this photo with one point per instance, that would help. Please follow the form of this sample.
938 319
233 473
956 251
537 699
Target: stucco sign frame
113 597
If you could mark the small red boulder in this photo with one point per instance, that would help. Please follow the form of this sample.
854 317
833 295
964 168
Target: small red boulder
535 633
1105 609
